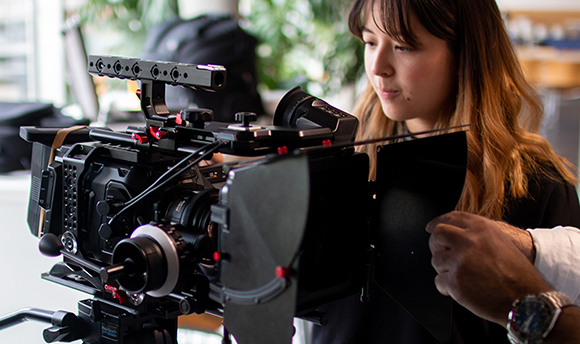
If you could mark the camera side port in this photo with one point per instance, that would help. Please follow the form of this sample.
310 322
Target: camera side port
136 70
219 79
175 74
100 65
155 72
118 67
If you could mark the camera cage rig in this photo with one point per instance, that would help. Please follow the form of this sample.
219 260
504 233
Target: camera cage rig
285 244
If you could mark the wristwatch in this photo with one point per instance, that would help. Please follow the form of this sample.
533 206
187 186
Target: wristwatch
533 317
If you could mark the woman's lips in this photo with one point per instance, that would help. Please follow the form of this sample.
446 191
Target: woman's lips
387 94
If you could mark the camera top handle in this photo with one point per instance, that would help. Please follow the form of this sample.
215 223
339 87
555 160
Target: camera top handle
154 75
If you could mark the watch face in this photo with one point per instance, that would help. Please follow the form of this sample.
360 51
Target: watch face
531 318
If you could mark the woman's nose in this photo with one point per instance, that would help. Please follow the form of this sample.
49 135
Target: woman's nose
382 63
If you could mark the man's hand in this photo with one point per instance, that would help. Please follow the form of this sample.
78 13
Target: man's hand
479 266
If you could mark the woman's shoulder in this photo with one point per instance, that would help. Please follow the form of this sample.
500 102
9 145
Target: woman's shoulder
545 181
551 201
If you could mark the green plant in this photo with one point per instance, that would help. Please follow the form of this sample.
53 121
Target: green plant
129 20
303 42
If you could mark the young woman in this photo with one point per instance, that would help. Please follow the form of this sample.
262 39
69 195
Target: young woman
440 63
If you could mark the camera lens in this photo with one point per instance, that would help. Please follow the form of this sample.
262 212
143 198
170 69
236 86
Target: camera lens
192 210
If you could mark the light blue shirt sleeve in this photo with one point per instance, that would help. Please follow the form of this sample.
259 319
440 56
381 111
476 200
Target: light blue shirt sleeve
558 258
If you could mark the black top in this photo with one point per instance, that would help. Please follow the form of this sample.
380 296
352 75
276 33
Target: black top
551 202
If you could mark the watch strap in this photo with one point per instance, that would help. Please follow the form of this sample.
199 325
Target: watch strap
556 301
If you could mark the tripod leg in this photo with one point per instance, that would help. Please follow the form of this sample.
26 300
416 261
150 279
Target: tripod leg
25 314
227 339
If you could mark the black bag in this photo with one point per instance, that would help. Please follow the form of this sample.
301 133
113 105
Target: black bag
15 153
209 39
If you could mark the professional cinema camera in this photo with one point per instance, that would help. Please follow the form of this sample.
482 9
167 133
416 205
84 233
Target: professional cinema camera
152 235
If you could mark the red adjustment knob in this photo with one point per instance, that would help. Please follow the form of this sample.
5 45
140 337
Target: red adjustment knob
138 93
142 138
178 119
217 256
282 150
282 272
327 143
119 295
160 134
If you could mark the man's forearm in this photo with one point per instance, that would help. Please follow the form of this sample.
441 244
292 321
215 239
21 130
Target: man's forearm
567 328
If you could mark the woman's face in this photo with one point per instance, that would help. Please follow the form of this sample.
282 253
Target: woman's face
414 85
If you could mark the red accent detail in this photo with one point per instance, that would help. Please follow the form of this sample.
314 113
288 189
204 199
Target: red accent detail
110 288
282 272
117 294
217 256
282 150
153 130
142 138
160 134
179 120
138 93
327 143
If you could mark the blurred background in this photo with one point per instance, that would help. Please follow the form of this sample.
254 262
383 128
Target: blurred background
287 43
268 46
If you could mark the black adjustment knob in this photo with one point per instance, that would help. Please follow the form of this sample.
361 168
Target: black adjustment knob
105 231
245 118
55 334
50 245
103 208
65 328
107 207
196 117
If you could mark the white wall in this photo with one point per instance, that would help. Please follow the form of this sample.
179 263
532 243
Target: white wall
50 66
22 264
553 5
193 8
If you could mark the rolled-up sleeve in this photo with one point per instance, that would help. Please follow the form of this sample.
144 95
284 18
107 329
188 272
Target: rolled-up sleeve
558 258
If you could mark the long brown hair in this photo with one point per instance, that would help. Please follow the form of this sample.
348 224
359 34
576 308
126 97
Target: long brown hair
503 108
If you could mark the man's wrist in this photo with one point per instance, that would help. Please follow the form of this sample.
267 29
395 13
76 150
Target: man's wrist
522 239
567 329
534 316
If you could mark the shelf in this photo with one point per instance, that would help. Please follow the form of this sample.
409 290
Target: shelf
551 67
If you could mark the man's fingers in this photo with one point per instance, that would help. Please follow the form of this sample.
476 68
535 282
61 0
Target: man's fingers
455 218
441 260
442 283
445 236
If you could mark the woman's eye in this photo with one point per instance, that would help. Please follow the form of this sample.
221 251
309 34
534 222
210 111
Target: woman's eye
368 41
402 48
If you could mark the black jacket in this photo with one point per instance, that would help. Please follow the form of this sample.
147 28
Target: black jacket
551 202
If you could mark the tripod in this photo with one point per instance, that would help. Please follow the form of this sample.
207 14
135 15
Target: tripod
99 322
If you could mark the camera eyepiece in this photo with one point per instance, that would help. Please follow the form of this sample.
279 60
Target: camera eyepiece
286 113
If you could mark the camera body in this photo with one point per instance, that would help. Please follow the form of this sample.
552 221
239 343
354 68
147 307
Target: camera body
149 233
